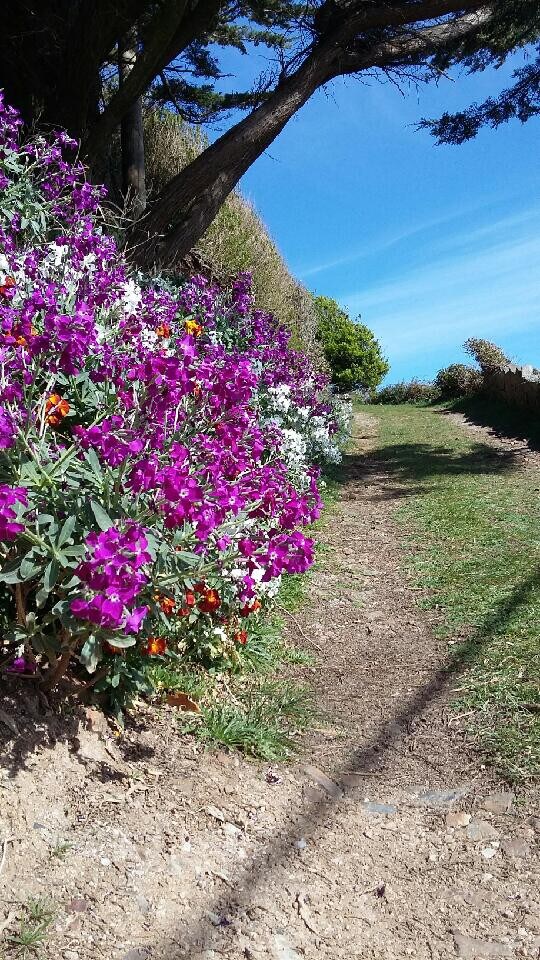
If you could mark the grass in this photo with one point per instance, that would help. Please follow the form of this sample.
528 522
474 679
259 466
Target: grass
33 928
253 708
473 522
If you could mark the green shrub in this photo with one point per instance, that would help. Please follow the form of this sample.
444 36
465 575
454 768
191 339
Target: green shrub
350 349
487 355
458 380
412 391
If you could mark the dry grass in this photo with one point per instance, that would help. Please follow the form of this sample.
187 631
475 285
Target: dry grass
237 239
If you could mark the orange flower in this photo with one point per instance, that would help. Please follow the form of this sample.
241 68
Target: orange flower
190 598
155 646
192 327
163 330
56 408
240 636
211 601
8 283
21 341
110 648
167 604
250 608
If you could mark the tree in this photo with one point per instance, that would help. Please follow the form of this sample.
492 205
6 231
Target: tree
351 351
57 59
85 65
351 37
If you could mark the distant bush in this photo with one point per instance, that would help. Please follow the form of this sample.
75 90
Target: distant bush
237 240
412 391
458 380
350 349
487 355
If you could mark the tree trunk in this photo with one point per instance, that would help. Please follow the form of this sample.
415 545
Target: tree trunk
132 134
191 200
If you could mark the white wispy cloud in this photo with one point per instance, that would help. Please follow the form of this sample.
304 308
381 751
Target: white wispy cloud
480 283
386 242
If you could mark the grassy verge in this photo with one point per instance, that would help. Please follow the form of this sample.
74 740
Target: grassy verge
473 520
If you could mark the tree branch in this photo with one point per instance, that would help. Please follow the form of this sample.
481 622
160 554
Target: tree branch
415 46
172 31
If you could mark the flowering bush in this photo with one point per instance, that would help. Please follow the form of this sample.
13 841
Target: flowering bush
160 445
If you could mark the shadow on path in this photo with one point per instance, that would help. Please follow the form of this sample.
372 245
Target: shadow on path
252 879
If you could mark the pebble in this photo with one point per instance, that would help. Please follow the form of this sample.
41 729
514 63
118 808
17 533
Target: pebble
472 949
143 904
457 818
230 830
489 852
283 949
384 809
440 799
104 861
301 844
481 830
498 802
515 848
323 781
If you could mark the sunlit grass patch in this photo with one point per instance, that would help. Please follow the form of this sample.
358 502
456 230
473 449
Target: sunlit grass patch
472 519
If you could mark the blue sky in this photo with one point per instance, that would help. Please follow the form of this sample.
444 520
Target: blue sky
430 244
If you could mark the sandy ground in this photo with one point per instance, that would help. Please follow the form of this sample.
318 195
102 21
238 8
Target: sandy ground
387 839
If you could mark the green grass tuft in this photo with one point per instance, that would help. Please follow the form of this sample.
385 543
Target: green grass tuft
33 929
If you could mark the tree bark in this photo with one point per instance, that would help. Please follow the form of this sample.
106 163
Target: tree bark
132 133
192 199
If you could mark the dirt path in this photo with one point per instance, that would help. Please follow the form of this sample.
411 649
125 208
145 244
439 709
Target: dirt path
387 841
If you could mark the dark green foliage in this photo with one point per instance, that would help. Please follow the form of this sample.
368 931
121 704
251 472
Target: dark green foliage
487 355
412 391
351 351
458 380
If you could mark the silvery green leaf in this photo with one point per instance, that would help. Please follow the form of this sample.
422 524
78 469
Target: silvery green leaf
102 517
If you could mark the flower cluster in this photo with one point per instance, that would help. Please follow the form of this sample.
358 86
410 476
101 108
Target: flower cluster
160 444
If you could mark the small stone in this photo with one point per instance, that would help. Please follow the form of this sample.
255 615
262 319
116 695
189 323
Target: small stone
440 799
301 844
216 813
77 906
489 852
231 830
471 949
383 809
96 721
498 802
143 904
515 848
457 818
481 830
323 781
283 949
70 955
104 861
138 953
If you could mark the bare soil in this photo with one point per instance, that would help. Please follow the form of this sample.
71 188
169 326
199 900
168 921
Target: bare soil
386 840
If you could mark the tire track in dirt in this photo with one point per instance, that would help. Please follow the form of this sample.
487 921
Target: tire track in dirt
387 840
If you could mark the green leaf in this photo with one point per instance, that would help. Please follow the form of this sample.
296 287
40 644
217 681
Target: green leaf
51 575
102 517
29 568
66 531
90 654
